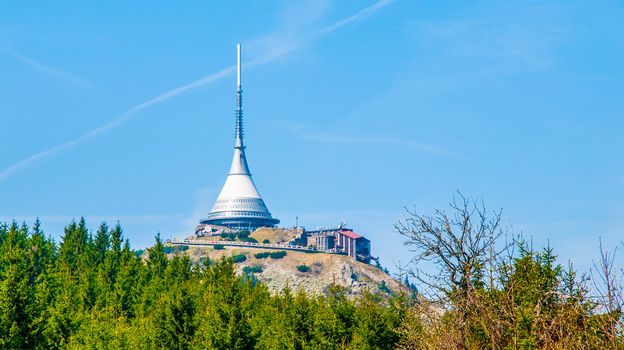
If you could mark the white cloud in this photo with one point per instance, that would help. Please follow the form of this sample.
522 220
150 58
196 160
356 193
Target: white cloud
307 133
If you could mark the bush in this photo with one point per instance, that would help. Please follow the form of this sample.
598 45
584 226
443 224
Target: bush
303 268
174 249
252 269
218 246
205 261
384 288
266 241
262 255
249 239
243 234
277 255
238 258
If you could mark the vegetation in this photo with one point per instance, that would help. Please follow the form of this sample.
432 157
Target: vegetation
239 258
273 255
383 287
92 291
496 294
242 236
175 249
262 255
218 247
252 269
303 268
277 255
480 292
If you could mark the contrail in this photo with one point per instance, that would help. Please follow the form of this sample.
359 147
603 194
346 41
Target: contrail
45 69
129 114
361 14
117 121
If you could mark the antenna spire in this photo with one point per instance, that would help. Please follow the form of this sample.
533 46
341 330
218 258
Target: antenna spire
238 67
239 101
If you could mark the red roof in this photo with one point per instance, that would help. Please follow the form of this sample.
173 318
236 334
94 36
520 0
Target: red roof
350 234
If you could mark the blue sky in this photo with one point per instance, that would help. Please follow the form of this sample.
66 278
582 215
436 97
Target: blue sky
124 111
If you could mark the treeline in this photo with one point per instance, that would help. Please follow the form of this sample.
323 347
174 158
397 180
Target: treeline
92 291
482 291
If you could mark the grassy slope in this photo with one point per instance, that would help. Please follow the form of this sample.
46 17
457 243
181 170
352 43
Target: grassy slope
325 269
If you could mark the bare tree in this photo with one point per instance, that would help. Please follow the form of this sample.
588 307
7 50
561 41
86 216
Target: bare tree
460 245
609 291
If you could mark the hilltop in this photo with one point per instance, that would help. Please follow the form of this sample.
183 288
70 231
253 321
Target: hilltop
312 272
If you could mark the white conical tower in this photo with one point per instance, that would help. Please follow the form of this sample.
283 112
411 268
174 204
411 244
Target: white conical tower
239 204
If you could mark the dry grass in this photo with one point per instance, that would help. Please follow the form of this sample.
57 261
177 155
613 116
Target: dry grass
325 269
274 235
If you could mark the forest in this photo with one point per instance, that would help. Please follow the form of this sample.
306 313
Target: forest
481 290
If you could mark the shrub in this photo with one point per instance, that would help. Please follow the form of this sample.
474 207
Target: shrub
219 246
238 258
262 255
277 255
223 235
252 269
205 261
384 288
249 239
243 234
266 241
303 268
174 249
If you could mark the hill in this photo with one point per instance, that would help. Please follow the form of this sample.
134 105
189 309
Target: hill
312 272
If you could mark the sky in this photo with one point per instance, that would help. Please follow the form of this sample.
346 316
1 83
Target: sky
354 111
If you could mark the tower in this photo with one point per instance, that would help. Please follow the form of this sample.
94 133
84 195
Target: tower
239 204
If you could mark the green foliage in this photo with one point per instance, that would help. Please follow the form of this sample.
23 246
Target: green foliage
262 255
243 234
252 269
303 268
239 258
277 255
218 246
266 241
93 291
384 287
175 249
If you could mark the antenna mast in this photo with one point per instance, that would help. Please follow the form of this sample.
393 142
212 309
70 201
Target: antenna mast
239 101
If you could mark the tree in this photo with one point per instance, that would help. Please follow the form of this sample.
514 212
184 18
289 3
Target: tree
459 245
102 243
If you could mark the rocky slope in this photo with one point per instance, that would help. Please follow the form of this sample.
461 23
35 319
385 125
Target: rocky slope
322 270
